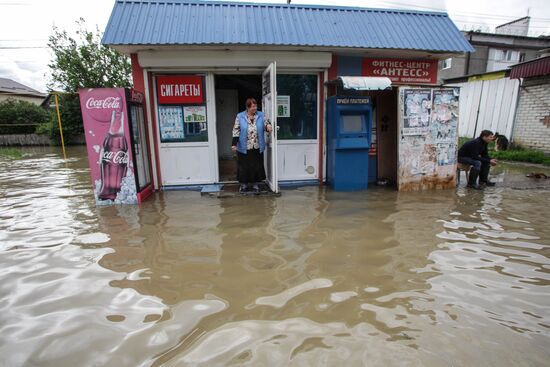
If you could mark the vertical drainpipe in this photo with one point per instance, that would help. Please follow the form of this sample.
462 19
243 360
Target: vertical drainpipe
468 55
478 108
520 85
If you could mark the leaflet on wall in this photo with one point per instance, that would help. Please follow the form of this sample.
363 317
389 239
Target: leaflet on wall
171 124
417 108
283 106
195 114
446 154
444 116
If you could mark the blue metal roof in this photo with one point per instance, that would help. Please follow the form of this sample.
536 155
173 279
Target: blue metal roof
175 22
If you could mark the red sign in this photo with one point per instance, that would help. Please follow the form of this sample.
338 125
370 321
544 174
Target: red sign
402 71
180 89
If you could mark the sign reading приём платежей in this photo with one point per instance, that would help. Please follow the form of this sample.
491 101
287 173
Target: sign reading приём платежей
402 71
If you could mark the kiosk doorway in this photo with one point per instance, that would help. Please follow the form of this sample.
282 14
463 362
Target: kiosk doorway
231 94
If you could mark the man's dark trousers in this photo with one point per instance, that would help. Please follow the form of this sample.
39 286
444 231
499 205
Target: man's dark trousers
479 168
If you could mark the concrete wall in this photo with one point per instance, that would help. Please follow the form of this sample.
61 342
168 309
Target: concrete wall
532 123
35 100
427 154
24 140
478 64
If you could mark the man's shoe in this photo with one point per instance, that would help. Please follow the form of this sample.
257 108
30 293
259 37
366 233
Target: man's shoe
256 189
243 188
475 187
488 184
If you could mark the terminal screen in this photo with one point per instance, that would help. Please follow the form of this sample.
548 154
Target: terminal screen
352 124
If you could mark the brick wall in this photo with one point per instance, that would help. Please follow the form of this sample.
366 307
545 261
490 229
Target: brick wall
532 123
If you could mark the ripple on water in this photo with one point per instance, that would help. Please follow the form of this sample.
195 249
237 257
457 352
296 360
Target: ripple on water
310 278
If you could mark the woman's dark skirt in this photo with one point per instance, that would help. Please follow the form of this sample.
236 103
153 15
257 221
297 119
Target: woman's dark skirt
251 166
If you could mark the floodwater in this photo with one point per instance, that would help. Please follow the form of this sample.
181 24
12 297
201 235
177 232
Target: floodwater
311 278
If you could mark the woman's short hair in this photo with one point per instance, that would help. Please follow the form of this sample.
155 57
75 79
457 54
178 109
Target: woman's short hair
250 102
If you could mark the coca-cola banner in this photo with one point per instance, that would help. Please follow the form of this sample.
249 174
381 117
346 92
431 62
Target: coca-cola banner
180 89
402 71
106 127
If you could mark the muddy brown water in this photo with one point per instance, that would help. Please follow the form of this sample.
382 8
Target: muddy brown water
310 278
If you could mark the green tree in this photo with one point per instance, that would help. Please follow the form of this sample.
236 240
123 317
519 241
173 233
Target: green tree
80 62
84 62
71 119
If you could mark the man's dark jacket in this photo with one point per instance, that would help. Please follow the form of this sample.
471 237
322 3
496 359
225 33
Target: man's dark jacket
475 149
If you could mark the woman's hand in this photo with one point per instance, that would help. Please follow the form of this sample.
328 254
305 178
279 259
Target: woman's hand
268 128
233 148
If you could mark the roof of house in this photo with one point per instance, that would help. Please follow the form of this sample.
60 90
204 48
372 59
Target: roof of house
531 68
180 22
9 86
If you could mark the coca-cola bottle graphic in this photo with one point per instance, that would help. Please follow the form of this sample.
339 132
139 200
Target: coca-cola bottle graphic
114 158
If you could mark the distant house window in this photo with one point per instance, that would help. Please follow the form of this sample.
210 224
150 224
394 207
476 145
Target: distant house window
508 55
522 57
446 64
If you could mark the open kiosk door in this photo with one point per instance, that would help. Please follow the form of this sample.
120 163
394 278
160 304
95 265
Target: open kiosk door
269 107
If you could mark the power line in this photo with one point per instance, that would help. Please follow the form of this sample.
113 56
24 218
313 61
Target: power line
20 47
472 14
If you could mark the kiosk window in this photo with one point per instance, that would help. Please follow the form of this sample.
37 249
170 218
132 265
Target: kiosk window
352 124
181 108
297 106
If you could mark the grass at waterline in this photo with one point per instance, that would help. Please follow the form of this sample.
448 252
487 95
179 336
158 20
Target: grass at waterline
516 154
10 153
522 155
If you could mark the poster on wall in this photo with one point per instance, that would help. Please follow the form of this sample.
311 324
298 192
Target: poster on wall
444 115
446 154
195 114
107 132
417 108
171 124
283 106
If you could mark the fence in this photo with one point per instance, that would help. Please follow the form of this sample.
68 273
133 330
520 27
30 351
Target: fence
487 105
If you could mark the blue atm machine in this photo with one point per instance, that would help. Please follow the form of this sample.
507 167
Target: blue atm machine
349 129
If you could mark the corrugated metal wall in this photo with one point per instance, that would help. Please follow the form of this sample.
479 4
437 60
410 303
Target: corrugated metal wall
492 103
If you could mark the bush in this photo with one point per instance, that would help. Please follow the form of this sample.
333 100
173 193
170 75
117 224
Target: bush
21 117
71 120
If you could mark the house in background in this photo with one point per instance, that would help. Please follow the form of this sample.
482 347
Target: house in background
532 122
10 89
509 45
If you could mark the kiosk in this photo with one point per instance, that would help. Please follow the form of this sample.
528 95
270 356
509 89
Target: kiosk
349 126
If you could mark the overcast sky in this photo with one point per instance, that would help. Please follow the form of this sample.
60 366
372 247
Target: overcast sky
26 24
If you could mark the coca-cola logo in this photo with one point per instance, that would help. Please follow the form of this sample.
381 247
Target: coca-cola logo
109 102
99 104
120 157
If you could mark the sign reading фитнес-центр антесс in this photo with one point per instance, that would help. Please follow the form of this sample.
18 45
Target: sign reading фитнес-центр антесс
402 71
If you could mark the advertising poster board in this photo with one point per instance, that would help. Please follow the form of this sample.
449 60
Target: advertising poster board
105 117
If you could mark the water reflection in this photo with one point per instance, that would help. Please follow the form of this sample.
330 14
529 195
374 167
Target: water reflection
311 278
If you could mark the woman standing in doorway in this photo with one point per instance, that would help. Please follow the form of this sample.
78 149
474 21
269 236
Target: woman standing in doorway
249 142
